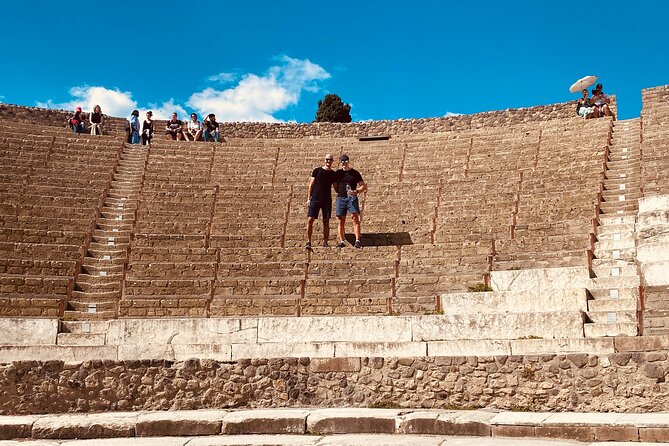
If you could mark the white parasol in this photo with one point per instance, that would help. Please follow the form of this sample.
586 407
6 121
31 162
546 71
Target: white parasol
582 83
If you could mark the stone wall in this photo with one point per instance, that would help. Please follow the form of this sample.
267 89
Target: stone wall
620 382
291 130
55 118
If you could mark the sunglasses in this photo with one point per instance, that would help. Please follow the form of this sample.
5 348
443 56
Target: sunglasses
328 160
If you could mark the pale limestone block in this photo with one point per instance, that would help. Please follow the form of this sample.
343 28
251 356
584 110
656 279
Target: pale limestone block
179 423
381 349
13 427
19 331
383 440
468 347
582 419
655 251
281 350
655 203
548 346
181 331
656 273
532 300
353 420
498 326
267 421
335 329
56 353
256 440
156 441
540 279
520 418
84 426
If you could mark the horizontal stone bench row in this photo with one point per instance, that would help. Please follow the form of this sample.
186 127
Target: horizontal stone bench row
306 421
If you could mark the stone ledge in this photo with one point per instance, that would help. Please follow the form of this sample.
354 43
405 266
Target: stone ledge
272 421
584 427
181 423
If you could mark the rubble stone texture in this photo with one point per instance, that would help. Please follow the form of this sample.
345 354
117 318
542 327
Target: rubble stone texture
621 382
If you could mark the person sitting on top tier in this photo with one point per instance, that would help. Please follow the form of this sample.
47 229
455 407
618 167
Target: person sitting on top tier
194 130
173 129
210 128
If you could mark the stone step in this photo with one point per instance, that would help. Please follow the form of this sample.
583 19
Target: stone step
92 307
612 207
612 317
610 245
72 339
614 293
95 296
606 305
627 254
620 196
84 327
597 330
114 212
99 250
344 426
83 315
86 282
619 269
101 236
611 228
102 270
97 261
624 219
616 282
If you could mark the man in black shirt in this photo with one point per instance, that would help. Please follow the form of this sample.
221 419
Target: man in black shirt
349 185
319 198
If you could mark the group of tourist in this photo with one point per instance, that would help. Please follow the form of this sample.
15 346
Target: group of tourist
174 129
137 131
596 106
348 184
95 119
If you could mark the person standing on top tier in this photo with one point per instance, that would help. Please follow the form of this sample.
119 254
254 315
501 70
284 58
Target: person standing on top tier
349 185
319 198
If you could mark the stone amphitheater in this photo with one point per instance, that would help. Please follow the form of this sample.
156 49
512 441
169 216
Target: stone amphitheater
513 287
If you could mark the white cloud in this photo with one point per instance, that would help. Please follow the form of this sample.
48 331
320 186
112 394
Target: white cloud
112 102
223 78
165 110
253 98
256 98
449 114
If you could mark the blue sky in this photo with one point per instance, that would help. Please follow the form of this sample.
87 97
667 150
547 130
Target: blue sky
272 61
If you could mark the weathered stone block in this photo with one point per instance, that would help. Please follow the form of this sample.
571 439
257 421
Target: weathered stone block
349 421
269 421
321 365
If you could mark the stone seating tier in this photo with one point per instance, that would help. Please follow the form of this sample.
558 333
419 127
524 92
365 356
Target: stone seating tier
198 196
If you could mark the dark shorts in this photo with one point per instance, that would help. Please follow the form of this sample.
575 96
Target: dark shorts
317 205
347 204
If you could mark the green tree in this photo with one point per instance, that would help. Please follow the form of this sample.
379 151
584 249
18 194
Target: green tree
333 109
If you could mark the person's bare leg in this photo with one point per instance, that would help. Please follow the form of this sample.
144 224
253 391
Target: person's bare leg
356 225
198 135
326 230
342 228
310 228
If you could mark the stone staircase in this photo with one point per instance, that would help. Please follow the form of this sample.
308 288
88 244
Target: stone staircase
614 304
98 286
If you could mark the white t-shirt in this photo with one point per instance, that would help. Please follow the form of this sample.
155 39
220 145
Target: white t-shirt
197 125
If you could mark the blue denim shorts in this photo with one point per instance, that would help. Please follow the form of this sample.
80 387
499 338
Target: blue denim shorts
347 204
